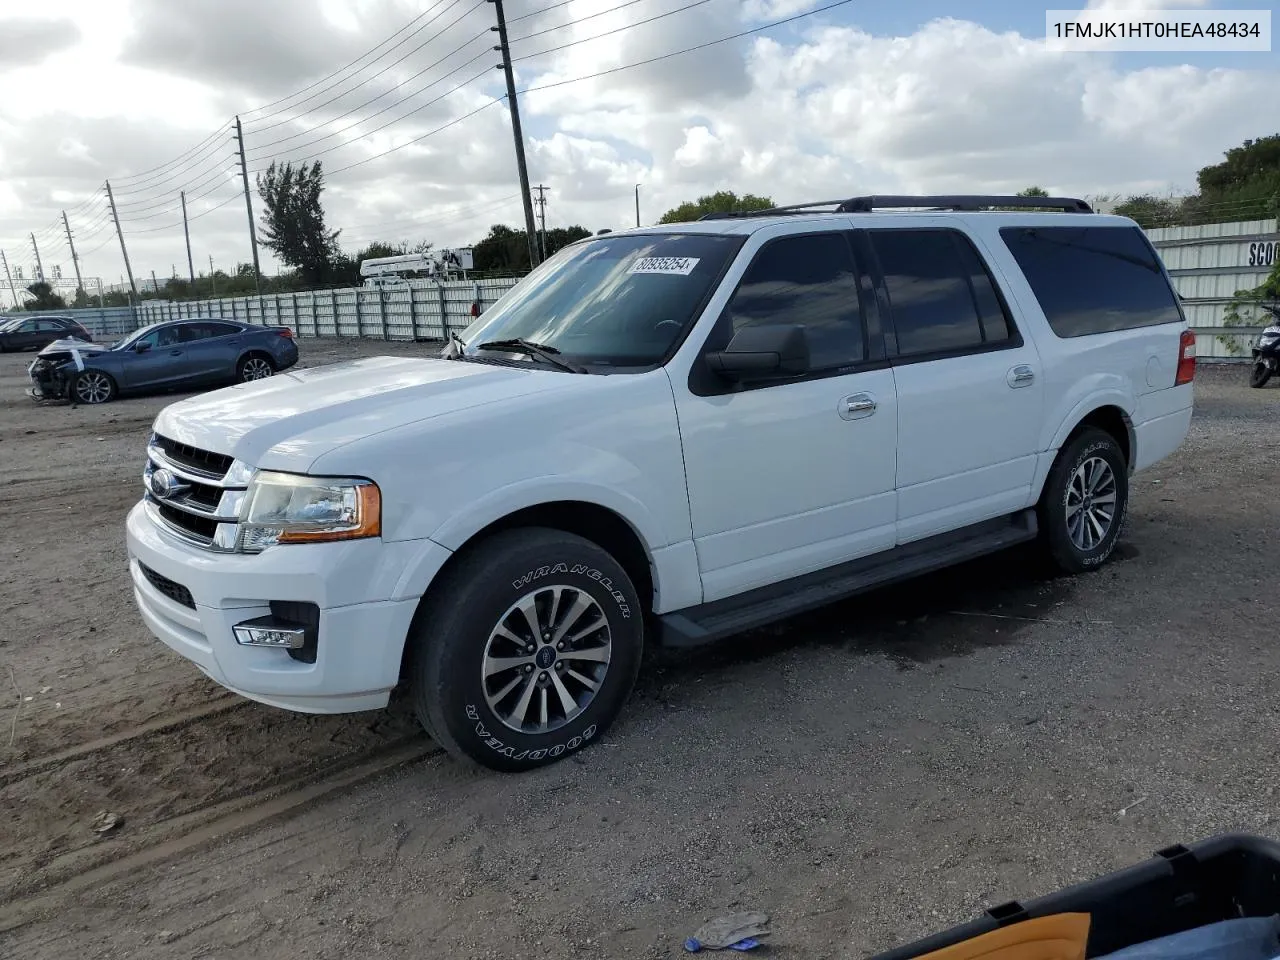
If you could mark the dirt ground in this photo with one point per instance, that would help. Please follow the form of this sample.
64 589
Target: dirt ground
866 774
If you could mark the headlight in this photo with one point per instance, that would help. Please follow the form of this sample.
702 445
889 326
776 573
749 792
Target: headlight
291 508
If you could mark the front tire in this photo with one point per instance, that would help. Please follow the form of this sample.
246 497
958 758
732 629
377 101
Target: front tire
526 650
92 387
1085 502
1260 374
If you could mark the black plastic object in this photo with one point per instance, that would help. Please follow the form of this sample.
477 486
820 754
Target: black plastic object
1180 888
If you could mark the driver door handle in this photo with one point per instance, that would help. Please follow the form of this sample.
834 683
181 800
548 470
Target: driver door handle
175 353
857 406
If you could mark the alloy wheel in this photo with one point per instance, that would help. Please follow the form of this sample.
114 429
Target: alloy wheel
1091 503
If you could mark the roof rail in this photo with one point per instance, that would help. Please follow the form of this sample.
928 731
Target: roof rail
963 202
946 202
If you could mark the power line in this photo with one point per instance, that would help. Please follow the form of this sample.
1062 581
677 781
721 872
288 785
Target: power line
483 53
170 208
571 23
180 157
389 123
259 128
166 200
609 33
348 66
678 53
590 76
535 13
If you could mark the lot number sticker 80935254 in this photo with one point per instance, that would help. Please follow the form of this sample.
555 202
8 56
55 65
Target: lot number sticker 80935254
670 266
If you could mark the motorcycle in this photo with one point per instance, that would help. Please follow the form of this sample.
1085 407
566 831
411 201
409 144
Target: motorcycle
1266 352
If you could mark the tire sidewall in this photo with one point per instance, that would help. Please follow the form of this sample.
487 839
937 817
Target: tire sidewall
1260 374
452 676
1088 446
244 362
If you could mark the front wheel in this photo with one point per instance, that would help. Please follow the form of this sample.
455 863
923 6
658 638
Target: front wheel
1085 501
92 386
1260 374
526 650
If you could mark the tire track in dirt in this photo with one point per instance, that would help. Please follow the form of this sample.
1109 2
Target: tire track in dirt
74 873
163 779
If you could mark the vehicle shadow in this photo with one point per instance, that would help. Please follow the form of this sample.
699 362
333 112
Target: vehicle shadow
988 602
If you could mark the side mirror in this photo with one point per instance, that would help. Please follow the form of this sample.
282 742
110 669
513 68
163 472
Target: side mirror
757 353
141 346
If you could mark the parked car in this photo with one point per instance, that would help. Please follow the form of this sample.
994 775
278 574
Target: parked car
663 435
32 333
173 355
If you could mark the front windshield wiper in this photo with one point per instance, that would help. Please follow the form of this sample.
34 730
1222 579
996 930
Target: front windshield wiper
544 352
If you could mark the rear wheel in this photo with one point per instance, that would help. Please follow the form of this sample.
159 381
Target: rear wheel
254 367
526 650
92 387
1260 374
1085 501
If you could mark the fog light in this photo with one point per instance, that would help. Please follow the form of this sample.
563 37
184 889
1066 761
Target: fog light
270 632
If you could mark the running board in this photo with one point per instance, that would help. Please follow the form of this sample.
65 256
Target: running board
708 622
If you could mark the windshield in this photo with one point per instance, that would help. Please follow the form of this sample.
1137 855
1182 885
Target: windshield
615 301
131 338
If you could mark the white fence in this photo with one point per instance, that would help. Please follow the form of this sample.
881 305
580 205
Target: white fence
417 313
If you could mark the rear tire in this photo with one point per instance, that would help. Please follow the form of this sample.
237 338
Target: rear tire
1085 502
493 691
254 366
1259 375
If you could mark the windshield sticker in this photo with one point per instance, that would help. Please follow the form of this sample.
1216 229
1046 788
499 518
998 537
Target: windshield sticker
671 266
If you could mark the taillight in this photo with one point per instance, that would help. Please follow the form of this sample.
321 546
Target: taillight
1186 358
286 332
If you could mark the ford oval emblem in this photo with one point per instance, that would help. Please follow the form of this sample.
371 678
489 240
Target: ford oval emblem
165 485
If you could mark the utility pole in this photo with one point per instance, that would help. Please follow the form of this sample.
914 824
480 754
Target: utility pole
516 132
542 217
12 288
637 204
74 258
212 278
248 205
39 265
187 233
155 285
133 287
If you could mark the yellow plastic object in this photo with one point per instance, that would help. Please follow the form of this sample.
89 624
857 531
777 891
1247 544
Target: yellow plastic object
1063 936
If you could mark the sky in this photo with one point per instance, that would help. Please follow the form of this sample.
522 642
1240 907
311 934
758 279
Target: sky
402 103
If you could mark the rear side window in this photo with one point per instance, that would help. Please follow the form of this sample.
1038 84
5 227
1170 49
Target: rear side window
1092 280
941 296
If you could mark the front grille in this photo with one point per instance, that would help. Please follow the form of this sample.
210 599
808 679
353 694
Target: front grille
199 528
195 496
204 461
174 591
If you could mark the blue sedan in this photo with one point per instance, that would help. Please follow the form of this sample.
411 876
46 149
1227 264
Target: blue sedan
173 355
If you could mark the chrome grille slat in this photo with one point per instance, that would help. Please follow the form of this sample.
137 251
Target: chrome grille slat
196 503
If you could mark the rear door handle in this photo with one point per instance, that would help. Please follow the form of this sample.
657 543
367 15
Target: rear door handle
175 353
858 406
1021 376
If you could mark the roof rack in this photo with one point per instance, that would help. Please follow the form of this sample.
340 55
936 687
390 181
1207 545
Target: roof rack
945 202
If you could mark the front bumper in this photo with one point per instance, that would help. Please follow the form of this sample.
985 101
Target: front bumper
364 613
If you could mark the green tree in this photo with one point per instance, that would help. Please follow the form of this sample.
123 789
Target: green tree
1033 192
507 250
44 298
293 225
1149 211
722 201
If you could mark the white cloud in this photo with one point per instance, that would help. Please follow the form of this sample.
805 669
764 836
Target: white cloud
952 106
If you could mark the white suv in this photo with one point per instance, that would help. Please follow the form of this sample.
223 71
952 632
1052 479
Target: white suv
665 435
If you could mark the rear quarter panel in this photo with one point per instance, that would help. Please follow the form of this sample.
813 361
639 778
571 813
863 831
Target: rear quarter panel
1128 369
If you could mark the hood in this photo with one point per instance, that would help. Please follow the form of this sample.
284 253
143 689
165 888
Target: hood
288 420
68 344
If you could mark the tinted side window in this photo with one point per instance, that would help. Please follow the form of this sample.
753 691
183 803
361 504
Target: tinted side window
809 280
222 329
1093 279
930 280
